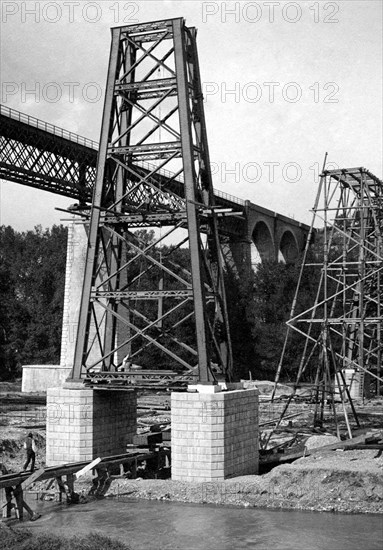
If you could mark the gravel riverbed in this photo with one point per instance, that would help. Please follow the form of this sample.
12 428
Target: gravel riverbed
348 481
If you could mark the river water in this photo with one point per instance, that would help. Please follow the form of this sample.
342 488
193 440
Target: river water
151 525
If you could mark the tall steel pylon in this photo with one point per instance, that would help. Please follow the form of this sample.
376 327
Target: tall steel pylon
343 327
153 112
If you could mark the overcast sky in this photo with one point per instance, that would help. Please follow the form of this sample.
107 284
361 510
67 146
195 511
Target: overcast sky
283 83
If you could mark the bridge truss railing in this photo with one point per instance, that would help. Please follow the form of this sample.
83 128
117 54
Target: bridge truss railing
47 127
86 142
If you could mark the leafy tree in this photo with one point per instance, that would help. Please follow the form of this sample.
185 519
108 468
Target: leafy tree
243 322
32 273
32 276
273 293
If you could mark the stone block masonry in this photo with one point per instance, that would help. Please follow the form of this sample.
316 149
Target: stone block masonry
214 435
83 424
38 378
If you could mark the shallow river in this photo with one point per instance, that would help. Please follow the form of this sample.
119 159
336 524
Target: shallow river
154 525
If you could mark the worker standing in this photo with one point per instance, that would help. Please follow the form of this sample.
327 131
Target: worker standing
147 201
8 490
30 447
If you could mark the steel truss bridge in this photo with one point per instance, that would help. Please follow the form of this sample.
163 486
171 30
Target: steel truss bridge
44 156
153 112
41 155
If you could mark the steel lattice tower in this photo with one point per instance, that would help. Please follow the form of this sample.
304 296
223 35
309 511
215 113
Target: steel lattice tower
343 327
153 112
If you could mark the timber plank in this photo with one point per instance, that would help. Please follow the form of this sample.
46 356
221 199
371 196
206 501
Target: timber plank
87 468
347 444
32 478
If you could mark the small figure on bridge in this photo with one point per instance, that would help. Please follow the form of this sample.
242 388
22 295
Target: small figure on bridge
30 447
126 363
147 201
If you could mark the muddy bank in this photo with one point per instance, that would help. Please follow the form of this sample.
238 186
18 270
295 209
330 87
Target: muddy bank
350 481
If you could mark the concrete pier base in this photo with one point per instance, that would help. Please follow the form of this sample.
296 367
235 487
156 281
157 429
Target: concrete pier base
83 424
354 380
38 378
214 435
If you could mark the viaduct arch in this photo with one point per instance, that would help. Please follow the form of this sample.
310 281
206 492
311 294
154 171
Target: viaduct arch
273 237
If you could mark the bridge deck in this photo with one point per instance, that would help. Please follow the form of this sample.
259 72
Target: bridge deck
41 155
30 132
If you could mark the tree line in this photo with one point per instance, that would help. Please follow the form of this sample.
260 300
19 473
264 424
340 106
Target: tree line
32 278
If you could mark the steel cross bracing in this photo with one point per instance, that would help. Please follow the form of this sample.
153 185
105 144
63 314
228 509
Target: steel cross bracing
41 155
153 111
343 327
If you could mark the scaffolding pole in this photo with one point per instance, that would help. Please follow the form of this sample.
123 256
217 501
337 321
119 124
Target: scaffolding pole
342 330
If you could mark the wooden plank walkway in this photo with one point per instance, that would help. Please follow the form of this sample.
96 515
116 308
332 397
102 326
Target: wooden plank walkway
14 485
10 480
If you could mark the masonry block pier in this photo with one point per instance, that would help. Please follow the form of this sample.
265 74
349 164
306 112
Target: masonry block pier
83 424
214 435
